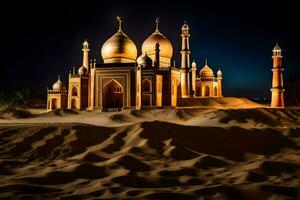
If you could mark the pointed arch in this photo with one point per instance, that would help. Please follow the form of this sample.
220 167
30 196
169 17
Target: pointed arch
74 91
146 85
54 103
205 92
215 91
112 94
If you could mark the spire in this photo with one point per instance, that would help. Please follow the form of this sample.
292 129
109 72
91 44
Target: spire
157 22
206 62
120 23
58 77
73 70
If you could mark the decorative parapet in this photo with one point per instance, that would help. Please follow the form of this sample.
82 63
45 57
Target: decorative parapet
63 92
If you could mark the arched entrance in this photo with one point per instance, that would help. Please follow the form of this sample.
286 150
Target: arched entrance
112 95
205 91
198 91
54 103
215 92
74 91
146 92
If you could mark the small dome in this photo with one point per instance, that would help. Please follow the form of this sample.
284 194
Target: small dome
277 47
194 65
219 73
119 48
58 85
145 61
82 70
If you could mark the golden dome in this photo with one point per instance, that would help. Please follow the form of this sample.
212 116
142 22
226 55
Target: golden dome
165 47
119 48
58 85
206 71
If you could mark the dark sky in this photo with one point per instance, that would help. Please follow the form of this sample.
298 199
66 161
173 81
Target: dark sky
43 39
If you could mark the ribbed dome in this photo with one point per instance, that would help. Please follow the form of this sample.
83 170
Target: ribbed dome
119 48
58 85
165 47
82 70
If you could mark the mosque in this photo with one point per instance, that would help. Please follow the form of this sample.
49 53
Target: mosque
125 80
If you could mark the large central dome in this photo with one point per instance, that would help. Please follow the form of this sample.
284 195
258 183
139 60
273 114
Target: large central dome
165 46
206 71
119 48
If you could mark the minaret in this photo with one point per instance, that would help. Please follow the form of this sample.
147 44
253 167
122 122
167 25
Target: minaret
277 82
185 62
194 71
219 78
156 58
85 49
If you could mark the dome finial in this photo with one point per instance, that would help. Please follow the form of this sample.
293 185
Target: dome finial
58 77
157 22
205 61
120 23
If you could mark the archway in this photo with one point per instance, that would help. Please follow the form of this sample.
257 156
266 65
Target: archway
215 92
146 85
198 91
205 91
112 95
146 90
74 91
54 104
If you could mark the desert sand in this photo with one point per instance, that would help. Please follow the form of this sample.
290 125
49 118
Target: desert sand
222 151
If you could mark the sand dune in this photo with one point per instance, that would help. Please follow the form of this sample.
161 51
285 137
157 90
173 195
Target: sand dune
152 159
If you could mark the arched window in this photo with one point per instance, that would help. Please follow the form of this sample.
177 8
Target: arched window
146 85
215 92
74 91
207 91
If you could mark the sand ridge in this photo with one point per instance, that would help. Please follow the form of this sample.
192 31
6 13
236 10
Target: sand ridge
149 160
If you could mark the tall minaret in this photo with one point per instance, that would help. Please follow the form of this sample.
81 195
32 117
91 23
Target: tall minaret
185 62
277 82
85 49
219 78
194 71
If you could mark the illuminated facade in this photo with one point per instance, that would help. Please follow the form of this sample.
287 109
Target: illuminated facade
126 80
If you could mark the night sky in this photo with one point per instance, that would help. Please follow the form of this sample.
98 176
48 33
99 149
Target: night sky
43 39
